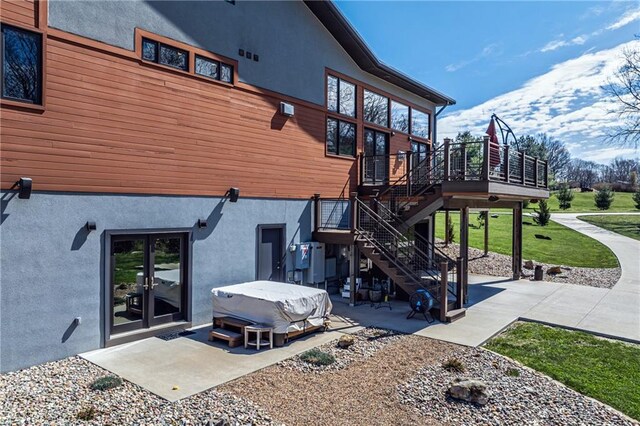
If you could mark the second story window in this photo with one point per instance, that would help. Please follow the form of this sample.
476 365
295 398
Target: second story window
341 96
399 117
419 123
165 55
213 69
341 137
21 65
376 108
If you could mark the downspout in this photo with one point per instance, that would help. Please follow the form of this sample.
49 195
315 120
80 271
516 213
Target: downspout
435 125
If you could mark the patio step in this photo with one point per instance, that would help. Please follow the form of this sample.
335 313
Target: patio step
456 314
234 339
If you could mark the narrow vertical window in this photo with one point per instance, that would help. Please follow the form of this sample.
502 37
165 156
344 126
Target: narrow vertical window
21 65
419 123
149 50
226 73
332 136
347 101
399 117
332 93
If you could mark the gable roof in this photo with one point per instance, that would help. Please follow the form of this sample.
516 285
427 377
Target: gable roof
336 23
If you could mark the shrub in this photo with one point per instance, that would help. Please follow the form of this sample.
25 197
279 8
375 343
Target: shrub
542 214
565 196
317 357
106 383
636 198
86 414
633 180
481 218
603 198
513 372
451 233
454 365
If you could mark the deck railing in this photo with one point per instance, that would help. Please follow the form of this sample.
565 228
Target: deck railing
456 161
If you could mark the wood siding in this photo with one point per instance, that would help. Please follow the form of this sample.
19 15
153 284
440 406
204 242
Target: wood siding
20 12
115 124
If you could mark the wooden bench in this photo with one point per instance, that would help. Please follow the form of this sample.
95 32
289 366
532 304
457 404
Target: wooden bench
234 339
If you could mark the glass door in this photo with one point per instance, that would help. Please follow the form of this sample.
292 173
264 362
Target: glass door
376 151
148 276
421 163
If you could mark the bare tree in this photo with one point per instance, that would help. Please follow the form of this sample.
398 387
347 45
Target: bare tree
625 88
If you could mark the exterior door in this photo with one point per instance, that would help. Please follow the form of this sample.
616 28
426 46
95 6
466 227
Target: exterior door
148 280
270 253
376 151
421 163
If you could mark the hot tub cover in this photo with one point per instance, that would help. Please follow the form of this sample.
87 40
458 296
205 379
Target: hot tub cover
285 307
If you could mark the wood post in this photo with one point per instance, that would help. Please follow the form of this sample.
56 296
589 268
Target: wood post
523 166
361 160
447 220
535 172
354 210
506 163
409 171
486 160
546 173
486 232
460 274
444 296
516 243
317 212
447 159
463 155
354 269
464 246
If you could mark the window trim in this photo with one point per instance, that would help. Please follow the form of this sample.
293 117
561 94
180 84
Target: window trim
192 51
24 104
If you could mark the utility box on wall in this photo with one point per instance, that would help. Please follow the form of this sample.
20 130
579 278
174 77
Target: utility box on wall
315 273
303 254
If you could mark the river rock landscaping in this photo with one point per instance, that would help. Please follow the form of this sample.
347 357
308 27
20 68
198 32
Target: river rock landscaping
517 395
499 265
60 393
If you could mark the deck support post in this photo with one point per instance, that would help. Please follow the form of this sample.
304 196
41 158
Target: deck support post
506 163
486 232
463 159
316 213
460 274
447 159
464 248
535 172
354 269
516 243
486 160
447 220
444 284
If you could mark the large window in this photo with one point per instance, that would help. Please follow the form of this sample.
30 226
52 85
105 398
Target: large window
399 117
419 123
165 55
341 137
341 96
376 108
21 65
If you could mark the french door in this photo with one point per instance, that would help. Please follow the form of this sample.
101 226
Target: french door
376 152
421 163
148 280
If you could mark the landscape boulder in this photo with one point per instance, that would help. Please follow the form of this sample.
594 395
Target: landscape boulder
554 270
469 390
346 340
528 264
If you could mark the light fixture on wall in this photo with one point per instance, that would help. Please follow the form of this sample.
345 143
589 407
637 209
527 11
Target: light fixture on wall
233 194
287 109
401 155
24 185
90 226
202 223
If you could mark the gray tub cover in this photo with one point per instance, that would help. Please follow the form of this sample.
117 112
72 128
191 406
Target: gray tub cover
285 307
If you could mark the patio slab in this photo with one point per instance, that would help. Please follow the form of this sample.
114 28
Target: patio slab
191 363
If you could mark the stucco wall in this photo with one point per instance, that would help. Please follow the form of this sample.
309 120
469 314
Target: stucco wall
293 46
51 269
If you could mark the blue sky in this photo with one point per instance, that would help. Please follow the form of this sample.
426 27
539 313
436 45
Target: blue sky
538 65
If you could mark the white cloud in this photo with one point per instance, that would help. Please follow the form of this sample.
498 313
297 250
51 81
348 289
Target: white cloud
556 44
629 17
567 103
489 50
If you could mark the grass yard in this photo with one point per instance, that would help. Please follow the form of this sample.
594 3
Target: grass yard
583 203
627 225
553 243
606 370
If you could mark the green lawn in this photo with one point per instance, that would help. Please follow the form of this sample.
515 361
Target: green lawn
604 369
554 243
583 202
626 225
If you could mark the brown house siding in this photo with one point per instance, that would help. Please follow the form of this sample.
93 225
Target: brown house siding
20 12
115 124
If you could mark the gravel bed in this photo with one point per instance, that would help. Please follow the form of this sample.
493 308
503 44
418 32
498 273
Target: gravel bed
530 398
497 264
57 392
367 342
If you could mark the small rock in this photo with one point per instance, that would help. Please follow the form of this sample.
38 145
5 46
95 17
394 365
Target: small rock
554 270
470 390
346 340
528 264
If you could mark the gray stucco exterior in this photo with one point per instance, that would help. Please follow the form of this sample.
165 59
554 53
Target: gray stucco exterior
293 45
52 270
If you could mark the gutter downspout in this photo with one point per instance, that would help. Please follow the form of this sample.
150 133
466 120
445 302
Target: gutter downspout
435 125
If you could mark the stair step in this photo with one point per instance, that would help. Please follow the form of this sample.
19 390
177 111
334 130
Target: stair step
456 314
